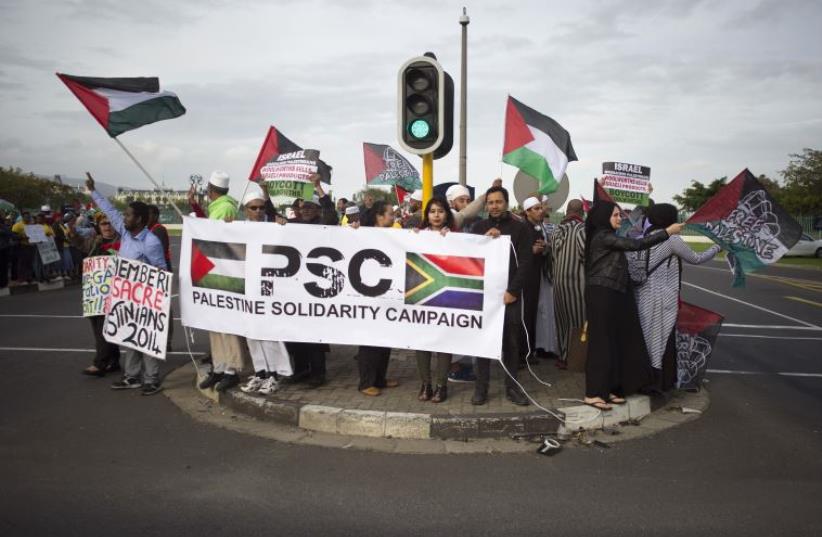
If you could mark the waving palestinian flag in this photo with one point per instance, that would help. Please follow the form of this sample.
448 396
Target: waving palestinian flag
537 145
218 265
746 222
444 281
124 104
275 143
385 166
696 332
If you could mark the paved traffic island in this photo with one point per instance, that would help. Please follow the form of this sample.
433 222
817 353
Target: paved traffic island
339 408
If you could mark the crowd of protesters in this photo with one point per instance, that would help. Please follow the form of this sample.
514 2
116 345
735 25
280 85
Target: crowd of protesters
567 282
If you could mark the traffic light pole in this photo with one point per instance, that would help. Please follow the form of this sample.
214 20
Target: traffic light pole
427 178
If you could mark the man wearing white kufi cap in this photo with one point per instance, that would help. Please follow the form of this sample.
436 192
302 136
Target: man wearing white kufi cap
269 358
538 295
228 351
466 211
415 210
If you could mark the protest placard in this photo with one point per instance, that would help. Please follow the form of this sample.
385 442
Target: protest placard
48 251
367 286
36 233
96 283
287 175
137 307
626 183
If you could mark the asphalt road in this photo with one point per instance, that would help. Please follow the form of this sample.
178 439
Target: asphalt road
79 459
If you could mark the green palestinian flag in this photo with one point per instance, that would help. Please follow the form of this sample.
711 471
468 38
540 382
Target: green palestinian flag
537 145
218 265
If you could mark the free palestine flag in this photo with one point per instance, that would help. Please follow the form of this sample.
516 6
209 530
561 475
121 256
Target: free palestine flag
275 143
124 104
218 265
696 332
385 166
537 145
748 224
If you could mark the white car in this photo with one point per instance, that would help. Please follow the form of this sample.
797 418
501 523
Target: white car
806 247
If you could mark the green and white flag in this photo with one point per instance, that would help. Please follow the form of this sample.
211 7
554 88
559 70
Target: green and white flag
124 104
537 145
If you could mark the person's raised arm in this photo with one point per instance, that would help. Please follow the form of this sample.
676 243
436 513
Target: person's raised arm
614 242
684 252
114 216
475 207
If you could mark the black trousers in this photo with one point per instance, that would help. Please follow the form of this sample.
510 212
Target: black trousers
4 266
617 360
309 358
530 298
373 362
107 354
511 347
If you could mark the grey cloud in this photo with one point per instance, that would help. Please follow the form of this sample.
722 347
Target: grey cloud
11 56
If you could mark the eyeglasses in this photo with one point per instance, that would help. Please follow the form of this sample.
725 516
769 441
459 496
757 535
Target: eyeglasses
255 207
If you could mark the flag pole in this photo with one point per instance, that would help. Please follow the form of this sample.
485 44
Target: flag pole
150 178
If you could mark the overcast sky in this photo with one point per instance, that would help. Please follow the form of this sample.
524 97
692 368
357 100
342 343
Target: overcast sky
695 90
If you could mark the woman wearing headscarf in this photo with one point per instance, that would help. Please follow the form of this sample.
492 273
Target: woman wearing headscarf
617 363
657 273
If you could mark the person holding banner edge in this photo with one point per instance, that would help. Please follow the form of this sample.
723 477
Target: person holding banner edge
501 222
136 242
617 364
228 351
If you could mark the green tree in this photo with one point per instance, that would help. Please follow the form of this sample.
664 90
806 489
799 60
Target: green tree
27 191
802 189
695 196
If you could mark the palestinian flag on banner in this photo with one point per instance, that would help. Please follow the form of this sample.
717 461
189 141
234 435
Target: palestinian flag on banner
385 166
537 145
124 104
444 281
748 224
696 332
218 265
275 143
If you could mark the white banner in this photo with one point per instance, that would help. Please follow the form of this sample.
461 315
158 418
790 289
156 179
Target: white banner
36 233
381 287
137 307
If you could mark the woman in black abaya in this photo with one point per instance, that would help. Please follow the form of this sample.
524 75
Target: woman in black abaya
617 363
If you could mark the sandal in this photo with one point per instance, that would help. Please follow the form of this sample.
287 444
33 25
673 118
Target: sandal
616 400
598 403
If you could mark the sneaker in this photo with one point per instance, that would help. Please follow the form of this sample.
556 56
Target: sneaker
211 380
254 384
269 386
464 374
151 389
228 381
127 383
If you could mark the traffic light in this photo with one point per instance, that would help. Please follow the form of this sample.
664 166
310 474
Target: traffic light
425 102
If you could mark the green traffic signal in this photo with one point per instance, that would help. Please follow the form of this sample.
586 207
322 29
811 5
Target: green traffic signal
419 129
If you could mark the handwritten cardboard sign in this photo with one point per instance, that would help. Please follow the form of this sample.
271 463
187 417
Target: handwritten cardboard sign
96 283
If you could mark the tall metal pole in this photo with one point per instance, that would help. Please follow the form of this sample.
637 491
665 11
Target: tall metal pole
464 20
427 178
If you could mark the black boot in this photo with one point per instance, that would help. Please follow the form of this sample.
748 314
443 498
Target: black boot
440 395
480 394
211 380
514 395
228 381
425 392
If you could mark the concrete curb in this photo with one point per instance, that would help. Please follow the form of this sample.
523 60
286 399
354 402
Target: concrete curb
204 408
407 425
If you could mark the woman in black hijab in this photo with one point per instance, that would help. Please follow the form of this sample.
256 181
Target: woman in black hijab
617 363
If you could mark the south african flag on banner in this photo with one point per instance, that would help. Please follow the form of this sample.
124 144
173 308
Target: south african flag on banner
747 223
444 281
218 265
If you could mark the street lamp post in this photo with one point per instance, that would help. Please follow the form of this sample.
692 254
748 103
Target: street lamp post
464 20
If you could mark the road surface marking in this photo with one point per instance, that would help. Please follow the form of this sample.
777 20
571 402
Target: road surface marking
792 338
801 283
769 326
55 349
780 373
752 305
805 301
